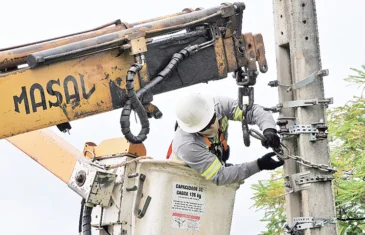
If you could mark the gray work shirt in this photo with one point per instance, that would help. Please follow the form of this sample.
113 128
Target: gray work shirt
194 151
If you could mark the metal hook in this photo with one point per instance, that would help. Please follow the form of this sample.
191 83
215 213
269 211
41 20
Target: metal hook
138 212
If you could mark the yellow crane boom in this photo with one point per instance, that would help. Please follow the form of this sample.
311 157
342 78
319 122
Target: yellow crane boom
85 74
121 65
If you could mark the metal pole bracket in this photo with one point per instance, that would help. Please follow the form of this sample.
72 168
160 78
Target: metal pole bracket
291 185
302 181
304 103
299 103
317 131
310 79
303 223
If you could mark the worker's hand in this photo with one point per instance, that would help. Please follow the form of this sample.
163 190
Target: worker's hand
272 139
267 163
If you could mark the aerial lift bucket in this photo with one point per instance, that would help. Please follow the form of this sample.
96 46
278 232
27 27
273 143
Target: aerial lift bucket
166 197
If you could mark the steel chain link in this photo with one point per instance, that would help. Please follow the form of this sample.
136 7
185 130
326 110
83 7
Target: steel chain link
321 167
280 153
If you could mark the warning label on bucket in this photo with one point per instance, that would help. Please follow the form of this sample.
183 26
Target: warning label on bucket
188 203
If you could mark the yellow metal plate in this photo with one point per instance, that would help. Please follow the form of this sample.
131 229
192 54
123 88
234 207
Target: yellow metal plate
52 94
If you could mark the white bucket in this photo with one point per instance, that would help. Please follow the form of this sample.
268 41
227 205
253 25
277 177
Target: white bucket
182 202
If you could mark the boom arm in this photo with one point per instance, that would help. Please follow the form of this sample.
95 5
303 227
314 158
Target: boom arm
59 80
85 74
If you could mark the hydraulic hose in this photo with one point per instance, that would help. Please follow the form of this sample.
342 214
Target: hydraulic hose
174 62
86 220
81 214
135 104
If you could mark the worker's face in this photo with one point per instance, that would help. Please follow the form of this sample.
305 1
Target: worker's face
212 131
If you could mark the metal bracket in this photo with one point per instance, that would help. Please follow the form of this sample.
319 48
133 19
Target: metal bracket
299 103
292 186
301 129
303 223
302 83
291 230
138 46
318 130
304 103
313 179
94 185
137 42
227 11
254 51
282 122
302 181
310 79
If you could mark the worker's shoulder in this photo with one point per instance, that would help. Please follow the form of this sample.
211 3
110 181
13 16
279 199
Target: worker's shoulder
219 99
223 105
223 101
185 140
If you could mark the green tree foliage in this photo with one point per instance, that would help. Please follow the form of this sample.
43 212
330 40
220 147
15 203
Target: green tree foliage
347 143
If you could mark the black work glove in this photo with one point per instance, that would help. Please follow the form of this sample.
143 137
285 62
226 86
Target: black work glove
267 163
225 155
272 139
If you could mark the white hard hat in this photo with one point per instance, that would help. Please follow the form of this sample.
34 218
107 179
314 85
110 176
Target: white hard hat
194 112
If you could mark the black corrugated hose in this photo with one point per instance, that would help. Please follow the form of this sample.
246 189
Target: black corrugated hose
135 104
81 214
86 220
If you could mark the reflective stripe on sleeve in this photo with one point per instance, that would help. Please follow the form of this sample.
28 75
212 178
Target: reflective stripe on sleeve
174 157
237 114
224 124
212 169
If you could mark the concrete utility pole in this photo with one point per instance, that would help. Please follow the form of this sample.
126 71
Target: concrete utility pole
298 57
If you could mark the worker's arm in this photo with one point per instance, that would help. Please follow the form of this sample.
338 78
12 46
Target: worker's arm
256 116
209 166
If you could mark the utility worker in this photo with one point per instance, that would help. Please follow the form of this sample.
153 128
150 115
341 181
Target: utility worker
201 138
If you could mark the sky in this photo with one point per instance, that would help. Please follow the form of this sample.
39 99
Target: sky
32 200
